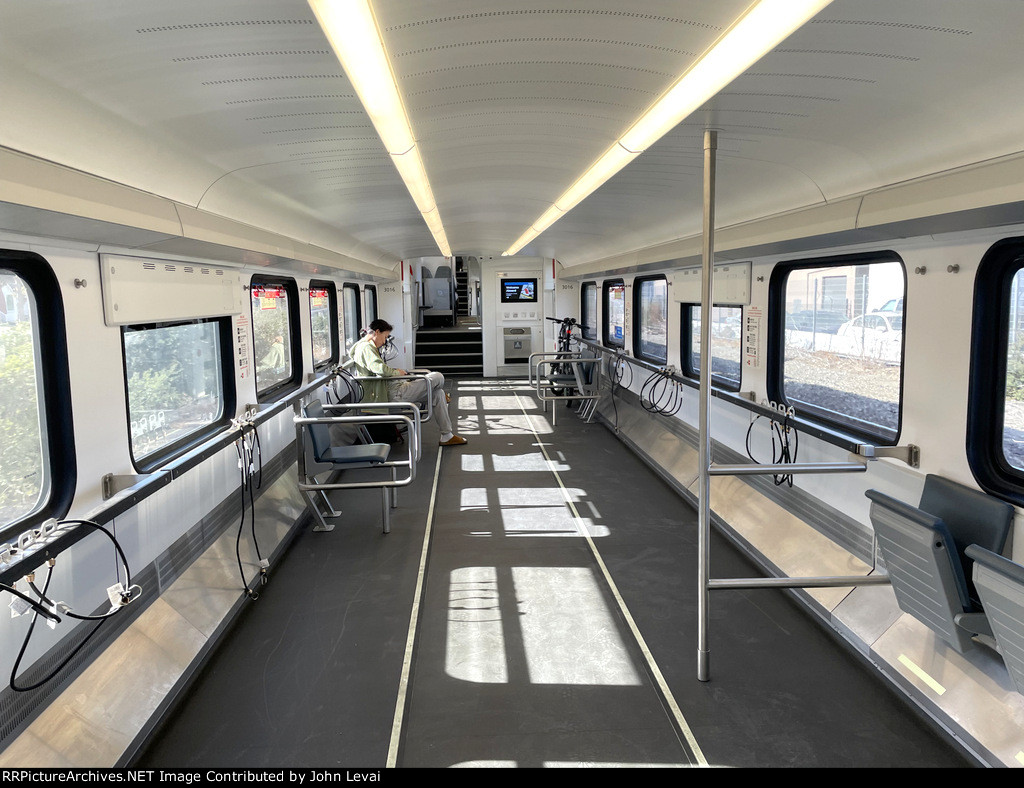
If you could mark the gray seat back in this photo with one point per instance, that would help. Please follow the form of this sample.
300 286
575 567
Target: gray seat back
921 559
1000 583
971 516
319 434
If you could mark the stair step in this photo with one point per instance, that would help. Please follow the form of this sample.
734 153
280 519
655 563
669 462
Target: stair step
448 347
450 355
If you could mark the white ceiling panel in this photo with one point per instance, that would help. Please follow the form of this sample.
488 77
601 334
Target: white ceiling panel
239 108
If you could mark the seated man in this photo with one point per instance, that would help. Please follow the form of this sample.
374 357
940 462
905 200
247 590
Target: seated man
369 363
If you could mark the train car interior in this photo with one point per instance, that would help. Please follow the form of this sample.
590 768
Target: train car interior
724 301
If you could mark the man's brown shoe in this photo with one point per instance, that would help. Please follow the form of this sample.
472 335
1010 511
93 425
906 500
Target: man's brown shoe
454 440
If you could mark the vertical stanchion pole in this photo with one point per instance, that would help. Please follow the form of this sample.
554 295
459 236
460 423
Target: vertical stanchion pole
704 421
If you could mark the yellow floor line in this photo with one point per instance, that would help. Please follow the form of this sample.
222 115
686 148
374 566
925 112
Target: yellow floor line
410 641
919 672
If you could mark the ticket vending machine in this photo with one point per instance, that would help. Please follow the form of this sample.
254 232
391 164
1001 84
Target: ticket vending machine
520 315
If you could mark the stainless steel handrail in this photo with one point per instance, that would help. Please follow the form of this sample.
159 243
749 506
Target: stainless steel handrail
145 485
706 467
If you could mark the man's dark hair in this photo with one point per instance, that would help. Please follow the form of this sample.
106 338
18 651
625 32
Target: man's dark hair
381 325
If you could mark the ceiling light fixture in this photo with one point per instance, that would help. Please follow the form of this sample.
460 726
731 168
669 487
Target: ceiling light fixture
760 29
352 31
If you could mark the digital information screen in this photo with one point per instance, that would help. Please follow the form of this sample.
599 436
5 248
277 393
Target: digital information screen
518 291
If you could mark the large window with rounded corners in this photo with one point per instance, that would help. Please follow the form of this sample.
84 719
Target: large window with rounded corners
995 424
352 314
37 463
323 321
650 318
614 313
836 342
275 329
588 310
177 380
726 345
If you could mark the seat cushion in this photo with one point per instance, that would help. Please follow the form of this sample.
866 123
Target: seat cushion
374 453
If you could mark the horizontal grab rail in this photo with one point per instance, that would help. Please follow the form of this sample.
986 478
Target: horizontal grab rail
909 454
751 469
145 485
799 582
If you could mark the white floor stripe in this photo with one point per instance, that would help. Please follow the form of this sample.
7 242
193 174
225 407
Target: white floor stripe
410 641
648 656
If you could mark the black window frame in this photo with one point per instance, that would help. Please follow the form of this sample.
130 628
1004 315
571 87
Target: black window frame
294 337
606 287
336 339
986 400
55 403
775 372
583 310
358 322
160 457
371 290
686 365
638 283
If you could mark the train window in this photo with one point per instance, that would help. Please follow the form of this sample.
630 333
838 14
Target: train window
37 465
175 375
323 319
726 345
588 310
650 318
836 340
370 297
23 469
615 313
352 313
274 334
995 422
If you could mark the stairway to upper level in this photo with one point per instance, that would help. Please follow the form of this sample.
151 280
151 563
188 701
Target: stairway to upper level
454 352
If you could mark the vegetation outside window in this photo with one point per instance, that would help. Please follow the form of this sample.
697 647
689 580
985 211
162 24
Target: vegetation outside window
24 475
272 335
175 382
323 320
726 345
38 471
837 342
650 311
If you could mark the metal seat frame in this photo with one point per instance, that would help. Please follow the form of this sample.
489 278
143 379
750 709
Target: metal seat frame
316 492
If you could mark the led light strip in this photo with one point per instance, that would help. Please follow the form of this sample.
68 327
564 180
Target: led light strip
352 31
756 32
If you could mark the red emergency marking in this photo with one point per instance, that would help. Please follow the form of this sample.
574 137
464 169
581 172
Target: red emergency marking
268 292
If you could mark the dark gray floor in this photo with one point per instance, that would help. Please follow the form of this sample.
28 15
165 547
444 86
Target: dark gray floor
522 655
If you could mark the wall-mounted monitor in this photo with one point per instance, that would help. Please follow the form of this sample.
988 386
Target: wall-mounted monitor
518 291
